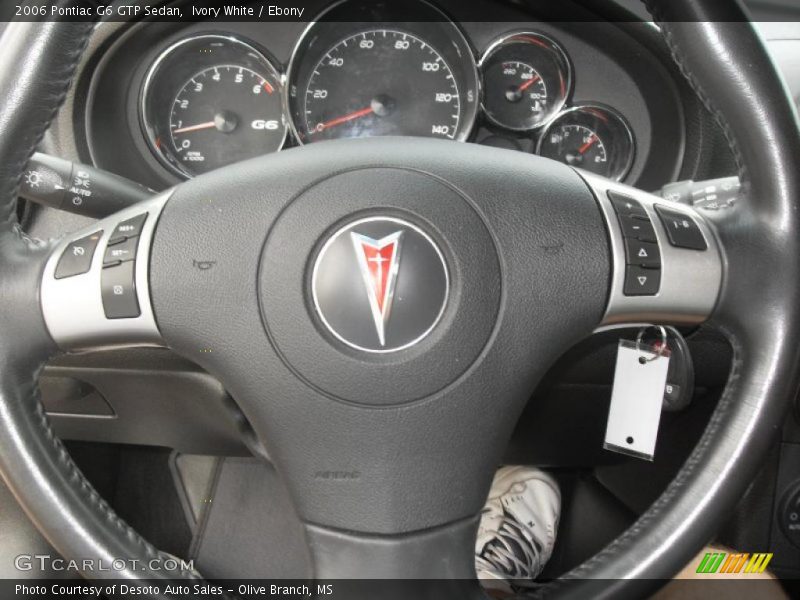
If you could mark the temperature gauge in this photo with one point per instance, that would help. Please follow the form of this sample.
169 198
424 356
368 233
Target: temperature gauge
593 138
526 79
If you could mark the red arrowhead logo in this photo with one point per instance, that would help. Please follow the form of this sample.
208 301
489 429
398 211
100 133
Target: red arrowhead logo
378 261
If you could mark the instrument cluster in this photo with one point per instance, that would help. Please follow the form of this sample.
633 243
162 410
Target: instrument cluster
213 99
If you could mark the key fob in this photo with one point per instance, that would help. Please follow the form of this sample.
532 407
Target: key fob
680 376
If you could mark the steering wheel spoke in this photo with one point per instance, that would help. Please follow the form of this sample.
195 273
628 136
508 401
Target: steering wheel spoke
95 289
667 262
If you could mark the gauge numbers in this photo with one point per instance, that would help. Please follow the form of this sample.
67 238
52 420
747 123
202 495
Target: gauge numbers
381 82
224 114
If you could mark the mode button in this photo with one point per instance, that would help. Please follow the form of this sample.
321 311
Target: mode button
682 230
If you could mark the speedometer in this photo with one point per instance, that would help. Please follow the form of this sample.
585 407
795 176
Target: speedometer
381 82
412 78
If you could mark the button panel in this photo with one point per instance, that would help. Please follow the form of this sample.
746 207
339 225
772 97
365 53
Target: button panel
682 230
118 280
76 258
790 514
688 282
642 254
84 312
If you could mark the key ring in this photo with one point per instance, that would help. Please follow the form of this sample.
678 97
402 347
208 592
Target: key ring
660 349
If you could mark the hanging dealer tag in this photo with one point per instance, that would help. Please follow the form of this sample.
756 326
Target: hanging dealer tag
637 398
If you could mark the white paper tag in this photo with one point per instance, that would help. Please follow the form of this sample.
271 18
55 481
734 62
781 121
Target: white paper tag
636 399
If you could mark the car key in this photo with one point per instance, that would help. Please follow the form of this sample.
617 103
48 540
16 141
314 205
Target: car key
680 376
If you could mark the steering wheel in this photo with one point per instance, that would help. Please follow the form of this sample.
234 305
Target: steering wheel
381 310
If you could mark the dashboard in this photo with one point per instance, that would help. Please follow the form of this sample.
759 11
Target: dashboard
165 102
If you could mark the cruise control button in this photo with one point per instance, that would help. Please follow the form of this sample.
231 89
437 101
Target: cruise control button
682 230
77 256
645 254
118 289
641 282
128 228
124 251
626 206
636 227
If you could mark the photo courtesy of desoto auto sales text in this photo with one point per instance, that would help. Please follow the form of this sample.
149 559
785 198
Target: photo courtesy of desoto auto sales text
400 299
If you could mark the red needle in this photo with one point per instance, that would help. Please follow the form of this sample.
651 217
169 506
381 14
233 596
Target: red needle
206 125
529 83
587 145
339 120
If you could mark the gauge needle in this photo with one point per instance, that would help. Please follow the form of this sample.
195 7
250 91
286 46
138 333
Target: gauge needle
529 83
344 119
206 125
587 145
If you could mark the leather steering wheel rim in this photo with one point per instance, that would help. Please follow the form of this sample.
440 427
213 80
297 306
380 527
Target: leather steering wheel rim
725 61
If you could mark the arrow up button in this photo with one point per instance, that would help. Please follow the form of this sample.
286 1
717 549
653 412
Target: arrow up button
644 254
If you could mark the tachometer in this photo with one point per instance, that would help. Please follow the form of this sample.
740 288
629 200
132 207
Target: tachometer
415 78
224 114
227 105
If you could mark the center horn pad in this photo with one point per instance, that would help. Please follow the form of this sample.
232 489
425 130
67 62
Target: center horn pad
380 286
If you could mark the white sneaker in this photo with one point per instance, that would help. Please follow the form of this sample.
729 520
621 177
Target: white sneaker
518 528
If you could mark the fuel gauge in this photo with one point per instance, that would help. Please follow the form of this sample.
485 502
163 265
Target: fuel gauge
526 80
590 137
